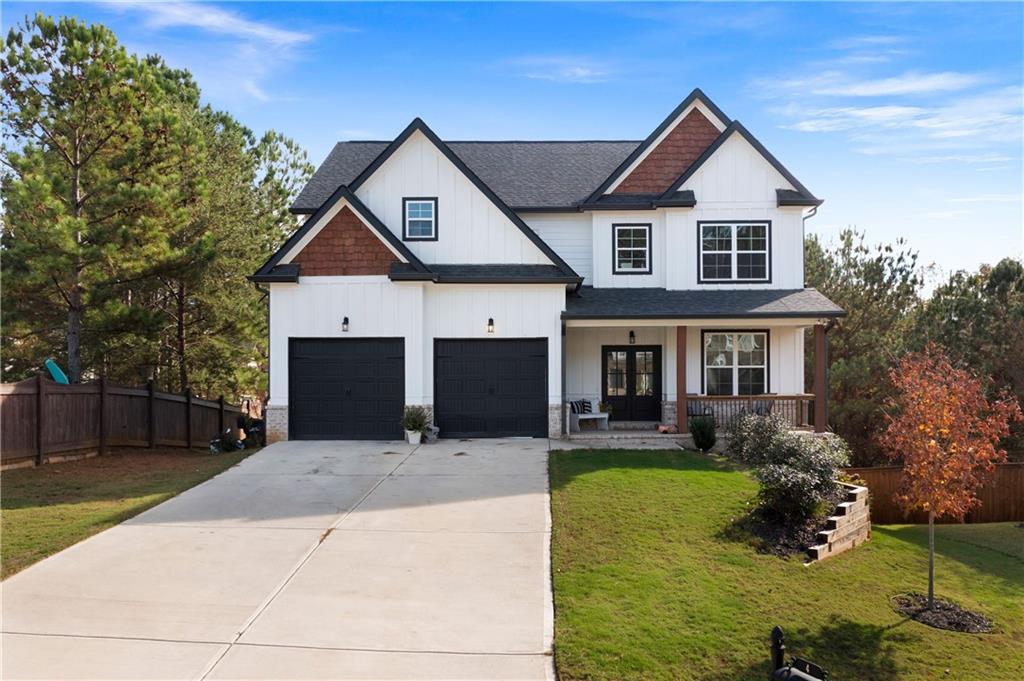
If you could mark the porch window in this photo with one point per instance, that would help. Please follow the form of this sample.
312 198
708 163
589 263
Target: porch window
419 216
632 249
734 252
735 362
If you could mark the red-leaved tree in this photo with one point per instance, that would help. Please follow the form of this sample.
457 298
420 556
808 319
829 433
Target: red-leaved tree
947 433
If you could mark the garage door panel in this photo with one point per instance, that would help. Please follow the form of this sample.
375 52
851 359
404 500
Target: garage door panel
491 388
345 389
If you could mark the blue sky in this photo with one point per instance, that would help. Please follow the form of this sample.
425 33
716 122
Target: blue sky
905 118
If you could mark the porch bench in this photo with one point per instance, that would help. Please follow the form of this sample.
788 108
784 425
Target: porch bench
594 415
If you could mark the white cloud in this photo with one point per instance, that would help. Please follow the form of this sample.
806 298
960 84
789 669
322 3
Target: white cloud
562 69
841 84
232 70
988 198
213 20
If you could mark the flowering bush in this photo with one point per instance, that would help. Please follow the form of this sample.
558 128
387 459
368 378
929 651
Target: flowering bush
797 472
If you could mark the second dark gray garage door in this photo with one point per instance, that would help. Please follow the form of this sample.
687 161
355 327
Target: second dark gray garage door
491 388
346 389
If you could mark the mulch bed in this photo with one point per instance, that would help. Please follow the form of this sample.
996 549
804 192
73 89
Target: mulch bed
781 537
945 615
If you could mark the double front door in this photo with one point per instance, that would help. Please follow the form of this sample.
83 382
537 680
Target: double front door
631 381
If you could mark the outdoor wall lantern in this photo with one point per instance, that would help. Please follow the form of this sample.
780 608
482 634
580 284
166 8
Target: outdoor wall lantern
490 325
344 325
632 337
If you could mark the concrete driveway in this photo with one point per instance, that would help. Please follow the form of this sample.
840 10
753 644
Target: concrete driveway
309 560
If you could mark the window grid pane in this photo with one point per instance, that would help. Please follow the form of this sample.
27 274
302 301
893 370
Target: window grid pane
419 219
735 363
632 249
734 252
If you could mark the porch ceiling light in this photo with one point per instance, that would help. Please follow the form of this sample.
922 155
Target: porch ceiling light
344 325
632 337
490 325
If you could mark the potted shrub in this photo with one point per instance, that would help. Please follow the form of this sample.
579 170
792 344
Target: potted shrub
415 422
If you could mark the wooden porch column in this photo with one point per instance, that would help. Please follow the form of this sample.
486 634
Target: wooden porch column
681 379
820 379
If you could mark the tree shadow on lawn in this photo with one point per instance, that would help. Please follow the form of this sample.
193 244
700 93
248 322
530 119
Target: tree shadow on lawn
1007 568
847 649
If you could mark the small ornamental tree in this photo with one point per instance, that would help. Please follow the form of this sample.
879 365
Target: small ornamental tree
947 432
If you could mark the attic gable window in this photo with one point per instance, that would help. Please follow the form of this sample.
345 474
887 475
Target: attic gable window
734 252
419 219
631 246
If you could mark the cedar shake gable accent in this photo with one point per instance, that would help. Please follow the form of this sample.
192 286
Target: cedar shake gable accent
673 155
344 247
274 271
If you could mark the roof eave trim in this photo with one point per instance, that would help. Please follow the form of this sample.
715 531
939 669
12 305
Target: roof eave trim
421 126
273 278
711 315
696 95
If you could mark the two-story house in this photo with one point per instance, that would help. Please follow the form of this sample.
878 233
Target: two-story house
496 282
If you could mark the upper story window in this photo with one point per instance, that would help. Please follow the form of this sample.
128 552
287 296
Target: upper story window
631 249
419 217
734 252
735 362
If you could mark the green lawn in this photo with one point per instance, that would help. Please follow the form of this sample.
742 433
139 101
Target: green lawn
649 586
46 509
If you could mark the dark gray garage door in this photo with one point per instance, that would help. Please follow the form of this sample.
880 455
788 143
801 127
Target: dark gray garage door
491 388
346 389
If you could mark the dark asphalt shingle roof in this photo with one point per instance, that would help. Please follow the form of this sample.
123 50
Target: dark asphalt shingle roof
512 273
658 303
523 174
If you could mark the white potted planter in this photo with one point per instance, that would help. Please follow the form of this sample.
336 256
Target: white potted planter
415 420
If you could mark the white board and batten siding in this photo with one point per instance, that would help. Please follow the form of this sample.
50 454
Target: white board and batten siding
570 235
470 228
379 308
737 183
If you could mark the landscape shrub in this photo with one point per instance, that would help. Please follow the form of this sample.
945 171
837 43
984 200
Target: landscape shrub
702 428
797 472
416 419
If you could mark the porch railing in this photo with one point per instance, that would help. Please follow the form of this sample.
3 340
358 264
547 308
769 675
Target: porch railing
797 409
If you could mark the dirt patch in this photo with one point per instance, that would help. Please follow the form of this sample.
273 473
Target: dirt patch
945 615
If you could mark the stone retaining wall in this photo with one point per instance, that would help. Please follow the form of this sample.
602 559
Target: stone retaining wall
849 526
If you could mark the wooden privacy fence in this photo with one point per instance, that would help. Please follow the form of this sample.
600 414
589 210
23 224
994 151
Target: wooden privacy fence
40 419
1002 499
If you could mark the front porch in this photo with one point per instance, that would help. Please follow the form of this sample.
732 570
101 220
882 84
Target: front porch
647 373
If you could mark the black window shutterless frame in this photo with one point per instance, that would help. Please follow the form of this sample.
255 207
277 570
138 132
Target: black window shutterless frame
615 249
734 252
405 218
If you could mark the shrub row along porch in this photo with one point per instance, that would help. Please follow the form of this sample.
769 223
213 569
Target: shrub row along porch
43 420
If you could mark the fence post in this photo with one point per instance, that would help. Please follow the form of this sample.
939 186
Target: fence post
40 387
188 418
220 414
151 409
103 415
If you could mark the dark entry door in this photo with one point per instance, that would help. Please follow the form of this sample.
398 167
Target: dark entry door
631 381
491 388
346 388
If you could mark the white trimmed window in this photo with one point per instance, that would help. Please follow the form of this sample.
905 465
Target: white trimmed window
419 215
631 249
734 252
735 362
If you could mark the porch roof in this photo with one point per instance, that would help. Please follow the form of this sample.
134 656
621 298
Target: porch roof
659 303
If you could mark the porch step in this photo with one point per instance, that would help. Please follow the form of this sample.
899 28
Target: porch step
651 426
